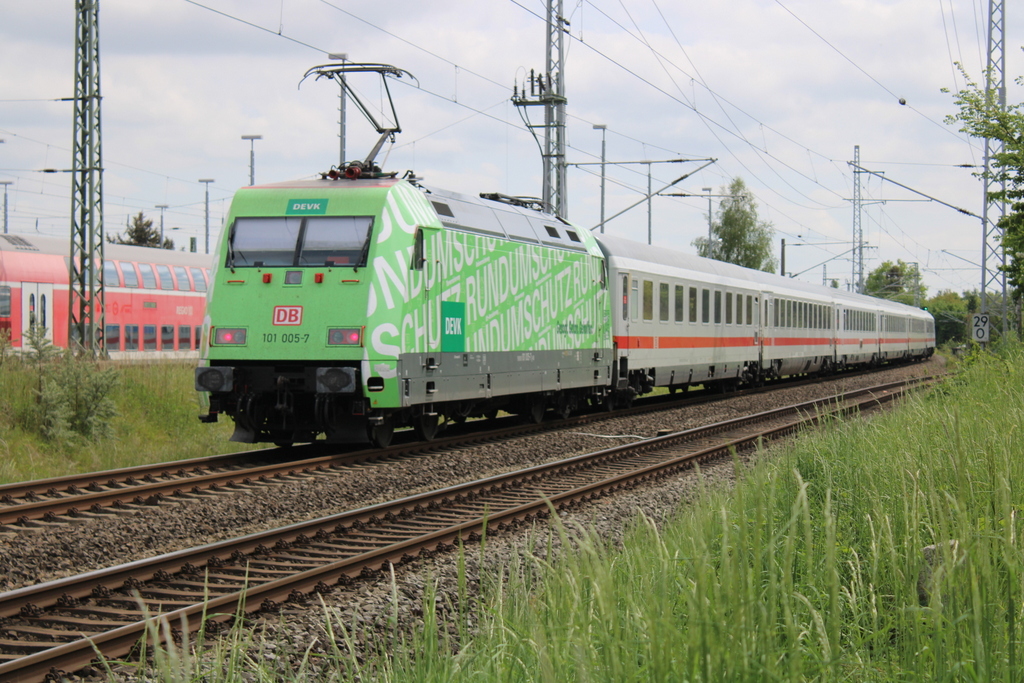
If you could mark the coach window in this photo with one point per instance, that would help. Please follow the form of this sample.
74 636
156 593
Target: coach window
111 278
693 304
663 303
199 334
705 305
728 308
680 303
112 340
184 337
131 337
164 273
750 310
167 337
131 278
648 300
149 337
199 278
634 300
5 302
181 275
148 278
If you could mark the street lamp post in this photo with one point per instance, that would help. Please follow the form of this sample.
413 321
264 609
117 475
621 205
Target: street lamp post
207 181
162 207
603 128
252 156
5 183
343 56
708 190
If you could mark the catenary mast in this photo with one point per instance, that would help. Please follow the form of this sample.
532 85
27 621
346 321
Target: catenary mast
85 269
993 280
547 89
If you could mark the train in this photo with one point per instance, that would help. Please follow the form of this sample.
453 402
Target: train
154 299
347 306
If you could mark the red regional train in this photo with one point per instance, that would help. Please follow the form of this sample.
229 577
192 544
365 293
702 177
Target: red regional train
155 299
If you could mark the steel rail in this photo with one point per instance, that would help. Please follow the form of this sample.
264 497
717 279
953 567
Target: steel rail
109 491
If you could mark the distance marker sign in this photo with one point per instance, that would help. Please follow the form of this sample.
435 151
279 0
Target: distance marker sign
980 327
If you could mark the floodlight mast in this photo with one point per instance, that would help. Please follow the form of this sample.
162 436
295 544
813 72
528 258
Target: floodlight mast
338 73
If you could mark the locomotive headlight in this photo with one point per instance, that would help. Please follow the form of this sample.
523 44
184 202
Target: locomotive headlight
345 336
215 379
335 380
229 335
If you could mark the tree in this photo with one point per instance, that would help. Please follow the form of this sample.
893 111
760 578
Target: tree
981 116
951 312
140 232
896 281
738 235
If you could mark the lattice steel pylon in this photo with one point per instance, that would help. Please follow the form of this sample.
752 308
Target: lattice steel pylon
549 90
993 256
85 269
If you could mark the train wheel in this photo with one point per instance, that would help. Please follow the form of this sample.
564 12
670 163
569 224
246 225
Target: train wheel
426 427
380 434
537 410
564 408
609 402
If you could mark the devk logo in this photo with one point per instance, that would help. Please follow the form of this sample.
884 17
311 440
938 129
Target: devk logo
287 315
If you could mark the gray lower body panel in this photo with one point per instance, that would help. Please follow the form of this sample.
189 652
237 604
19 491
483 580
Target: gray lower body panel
441 377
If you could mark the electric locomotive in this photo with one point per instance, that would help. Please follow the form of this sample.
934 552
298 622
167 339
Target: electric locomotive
350 307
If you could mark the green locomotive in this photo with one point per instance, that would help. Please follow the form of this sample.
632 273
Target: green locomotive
349 307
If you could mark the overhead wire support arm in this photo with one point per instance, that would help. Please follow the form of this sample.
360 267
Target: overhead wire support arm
648 196
918 192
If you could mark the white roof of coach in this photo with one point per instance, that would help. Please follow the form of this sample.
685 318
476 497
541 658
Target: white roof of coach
621 252
61 246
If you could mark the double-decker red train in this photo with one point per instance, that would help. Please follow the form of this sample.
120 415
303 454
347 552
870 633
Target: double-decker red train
154 299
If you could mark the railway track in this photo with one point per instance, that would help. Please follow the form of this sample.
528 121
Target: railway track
62 499
61 624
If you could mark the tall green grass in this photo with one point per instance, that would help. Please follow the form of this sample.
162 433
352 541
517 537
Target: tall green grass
810 569
155 420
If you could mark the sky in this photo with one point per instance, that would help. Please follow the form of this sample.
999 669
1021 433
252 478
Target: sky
778 92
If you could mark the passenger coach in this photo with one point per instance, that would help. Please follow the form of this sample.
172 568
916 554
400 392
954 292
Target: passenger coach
687 320
155 299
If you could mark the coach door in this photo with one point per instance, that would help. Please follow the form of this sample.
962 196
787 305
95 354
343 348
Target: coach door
37 307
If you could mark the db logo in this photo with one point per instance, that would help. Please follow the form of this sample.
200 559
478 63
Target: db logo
287 315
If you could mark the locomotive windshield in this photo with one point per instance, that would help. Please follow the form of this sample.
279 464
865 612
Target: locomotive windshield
300 241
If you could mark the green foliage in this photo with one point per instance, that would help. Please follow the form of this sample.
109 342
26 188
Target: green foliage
139 231
738 235
896 281
155 420
75 400
72 395
952 313
5 346
982 116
